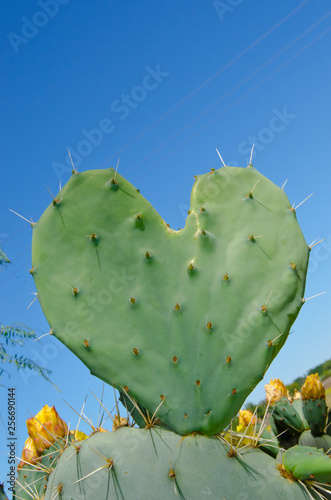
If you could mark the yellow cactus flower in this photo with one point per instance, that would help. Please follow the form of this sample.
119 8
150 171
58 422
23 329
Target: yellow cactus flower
275 390
246 418
119 422
312 388
296 395
100 429
29 453
246 425
45 428
79 435
242 429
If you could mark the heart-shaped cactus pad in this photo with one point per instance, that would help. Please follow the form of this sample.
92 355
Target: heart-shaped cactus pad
189 319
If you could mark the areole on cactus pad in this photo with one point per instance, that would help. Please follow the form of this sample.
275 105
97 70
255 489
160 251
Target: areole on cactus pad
188 319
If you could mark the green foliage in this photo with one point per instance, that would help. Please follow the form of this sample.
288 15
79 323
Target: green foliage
322 369
318 369
326 374
260 408
293 387
300 381
17 336
3 259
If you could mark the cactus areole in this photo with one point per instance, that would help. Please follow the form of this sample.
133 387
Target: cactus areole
188 319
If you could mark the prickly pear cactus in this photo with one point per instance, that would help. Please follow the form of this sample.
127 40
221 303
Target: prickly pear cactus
307 463
188 319
307 438
301 420
32 479
287 415
314 404
131 463
2 491
159 464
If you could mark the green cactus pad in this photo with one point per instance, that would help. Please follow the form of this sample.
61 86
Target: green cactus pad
32 479
328 423
324 441
307 463
289 416
3 495
191 318
132 409
157 464
316 413
268 443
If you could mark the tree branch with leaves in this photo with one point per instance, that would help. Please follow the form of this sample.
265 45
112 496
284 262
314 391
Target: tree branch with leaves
17 335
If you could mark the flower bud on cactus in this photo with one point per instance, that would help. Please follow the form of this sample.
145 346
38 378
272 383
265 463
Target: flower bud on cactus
45 428
29 453
275 390
314 404
246 418
246 425
285 415
120 422
312 388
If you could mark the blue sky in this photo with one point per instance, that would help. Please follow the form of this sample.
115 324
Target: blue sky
159 85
